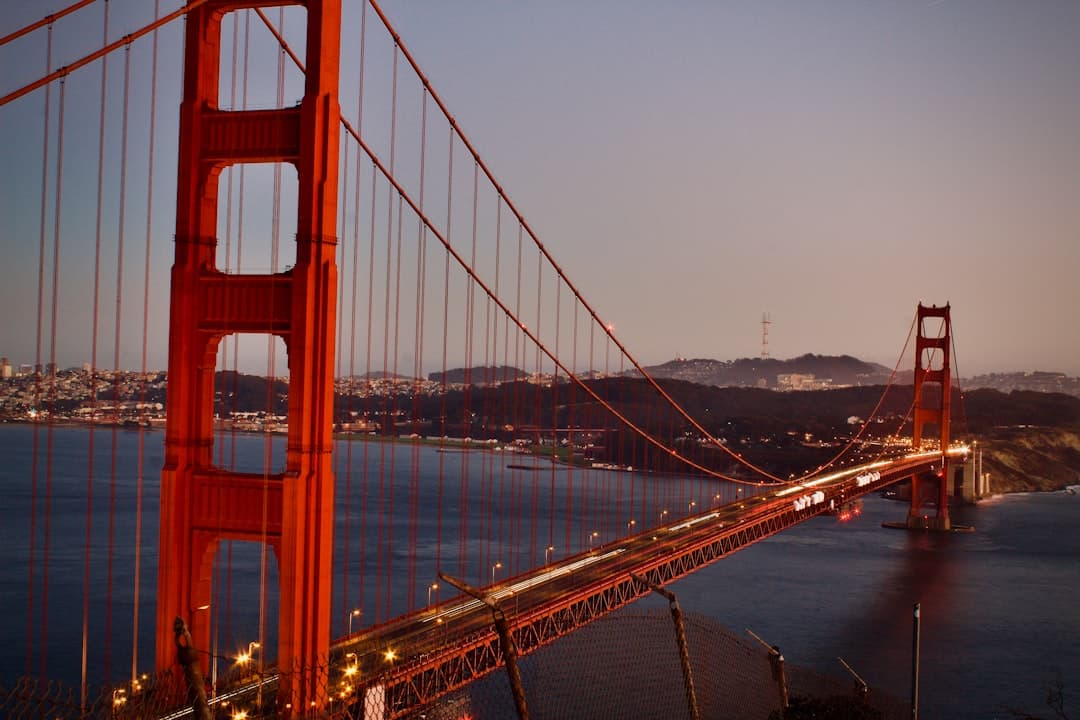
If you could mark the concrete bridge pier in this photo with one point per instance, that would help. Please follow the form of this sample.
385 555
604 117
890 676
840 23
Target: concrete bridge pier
926 488
933 492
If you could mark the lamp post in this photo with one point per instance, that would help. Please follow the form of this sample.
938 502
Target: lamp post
351 664
432 586
663 513
355 612
629 525
592 536
716 499
690 506
547 554
496 566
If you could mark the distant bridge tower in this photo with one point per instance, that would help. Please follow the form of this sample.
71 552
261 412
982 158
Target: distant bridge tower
933 368
201 504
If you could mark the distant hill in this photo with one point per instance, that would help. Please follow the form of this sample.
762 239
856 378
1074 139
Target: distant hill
827 371
1035 381
480 375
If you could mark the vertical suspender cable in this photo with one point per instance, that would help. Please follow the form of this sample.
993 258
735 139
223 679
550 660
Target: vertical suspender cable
386 483
466 419
368 413
116 363
143 366
271 380
340 368
352 320
499 399
446 319
572 421
418 366
52 375
555 418
394 396
91 435
519 401
37 360
242 194
538 410
218 608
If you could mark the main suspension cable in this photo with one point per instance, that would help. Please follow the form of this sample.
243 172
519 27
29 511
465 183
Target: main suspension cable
48 20
87 59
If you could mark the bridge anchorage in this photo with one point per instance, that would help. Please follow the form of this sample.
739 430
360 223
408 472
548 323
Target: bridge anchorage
930 489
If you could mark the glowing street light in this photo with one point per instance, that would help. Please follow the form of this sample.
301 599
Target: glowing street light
663 513
496 566
592 536
390 655
547 554
716 499
355 612
351 664
629 525
432 586
690 506
119 697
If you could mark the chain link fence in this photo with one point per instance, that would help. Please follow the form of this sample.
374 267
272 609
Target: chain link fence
623 666
627 666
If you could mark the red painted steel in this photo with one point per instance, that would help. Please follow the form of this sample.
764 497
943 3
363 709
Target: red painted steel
200 503
927 411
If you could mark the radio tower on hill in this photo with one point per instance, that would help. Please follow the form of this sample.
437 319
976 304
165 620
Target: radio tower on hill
765 322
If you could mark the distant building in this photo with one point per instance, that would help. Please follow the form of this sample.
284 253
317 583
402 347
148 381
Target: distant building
801 381
6 370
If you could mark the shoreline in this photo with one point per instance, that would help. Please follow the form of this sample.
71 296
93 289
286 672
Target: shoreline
453 445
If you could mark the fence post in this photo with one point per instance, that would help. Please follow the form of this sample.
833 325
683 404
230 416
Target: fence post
862 690
915 662
776 664
680 638
506 640
189 660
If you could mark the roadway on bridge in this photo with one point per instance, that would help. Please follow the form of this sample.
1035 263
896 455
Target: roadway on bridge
427 637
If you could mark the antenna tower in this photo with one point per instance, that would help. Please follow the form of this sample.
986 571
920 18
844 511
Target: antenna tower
765 323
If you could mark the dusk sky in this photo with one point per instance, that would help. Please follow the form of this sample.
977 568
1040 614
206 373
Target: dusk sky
692 165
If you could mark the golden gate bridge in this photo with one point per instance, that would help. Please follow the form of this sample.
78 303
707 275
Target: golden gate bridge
408 255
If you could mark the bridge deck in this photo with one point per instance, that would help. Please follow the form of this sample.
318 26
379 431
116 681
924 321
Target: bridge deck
418 658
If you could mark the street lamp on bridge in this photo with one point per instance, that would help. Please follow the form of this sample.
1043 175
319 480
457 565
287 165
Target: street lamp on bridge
432 586
496 566
662 514
355 612
629 525
245 657
592 536
547 554
690 506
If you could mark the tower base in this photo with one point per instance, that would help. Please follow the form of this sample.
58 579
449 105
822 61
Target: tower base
928 524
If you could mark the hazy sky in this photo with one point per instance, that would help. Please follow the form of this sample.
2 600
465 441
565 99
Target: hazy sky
694 164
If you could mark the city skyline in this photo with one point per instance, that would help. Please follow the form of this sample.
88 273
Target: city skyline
831 165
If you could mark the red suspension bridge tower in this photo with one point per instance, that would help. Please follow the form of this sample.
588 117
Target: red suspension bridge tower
933 368
201 504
